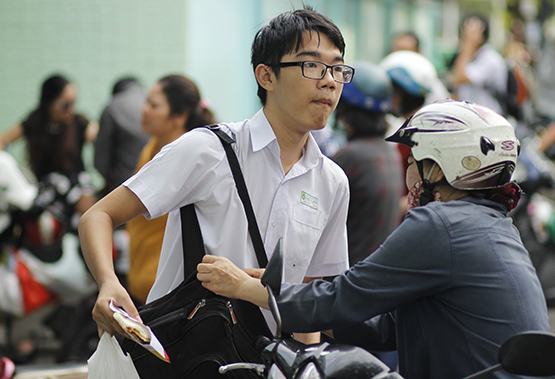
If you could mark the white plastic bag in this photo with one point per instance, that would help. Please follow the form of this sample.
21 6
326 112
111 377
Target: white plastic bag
109 361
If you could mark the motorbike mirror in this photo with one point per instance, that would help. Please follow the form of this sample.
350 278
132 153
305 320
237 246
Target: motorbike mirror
272 281
273 273
527 353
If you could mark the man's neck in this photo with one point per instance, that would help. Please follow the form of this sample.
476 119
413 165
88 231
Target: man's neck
290 140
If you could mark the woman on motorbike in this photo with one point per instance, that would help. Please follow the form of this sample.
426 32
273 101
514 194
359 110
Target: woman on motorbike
453 281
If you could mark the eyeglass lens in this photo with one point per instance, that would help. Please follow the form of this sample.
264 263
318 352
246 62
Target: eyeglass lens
317 70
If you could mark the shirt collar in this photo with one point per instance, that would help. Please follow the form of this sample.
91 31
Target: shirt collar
476 199
262 135
312 154
260 130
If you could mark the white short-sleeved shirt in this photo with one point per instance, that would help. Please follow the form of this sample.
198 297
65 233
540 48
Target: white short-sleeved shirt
487 72
307 207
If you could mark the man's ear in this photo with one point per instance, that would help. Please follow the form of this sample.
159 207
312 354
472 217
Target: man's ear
265 77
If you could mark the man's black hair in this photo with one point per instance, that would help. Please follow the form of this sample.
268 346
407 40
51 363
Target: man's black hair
284 34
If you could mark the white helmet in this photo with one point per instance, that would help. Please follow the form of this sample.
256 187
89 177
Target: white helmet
475 147
411 71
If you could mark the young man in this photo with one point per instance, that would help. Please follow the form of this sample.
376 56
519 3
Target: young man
297 193
454 275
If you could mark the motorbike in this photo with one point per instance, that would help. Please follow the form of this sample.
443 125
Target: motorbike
528 353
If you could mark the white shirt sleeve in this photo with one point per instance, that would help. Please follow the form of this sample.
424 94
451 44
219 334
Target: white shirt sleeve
17 191
331 255
183 172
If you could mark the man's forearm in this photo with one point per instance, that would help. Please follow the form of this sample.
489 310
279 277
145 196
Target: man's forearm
459 73
95 233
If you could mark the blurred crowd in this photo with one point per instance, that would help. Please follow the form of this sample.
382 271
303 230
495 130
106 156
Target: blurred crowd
40 260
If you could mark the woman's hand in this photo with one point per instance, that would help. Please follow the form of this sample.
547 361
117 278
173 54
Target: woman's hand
221 276
104 316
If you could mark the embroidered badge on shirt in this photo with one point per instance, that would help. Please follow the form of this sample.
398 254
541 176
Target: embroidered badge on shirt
309 200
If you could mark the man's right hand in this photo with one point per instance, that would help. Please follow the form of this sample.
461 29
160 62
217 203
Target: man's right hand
103 315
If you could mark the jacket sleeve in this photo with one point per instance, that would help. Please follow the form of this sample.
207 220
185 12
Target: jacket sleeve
408 266
376 334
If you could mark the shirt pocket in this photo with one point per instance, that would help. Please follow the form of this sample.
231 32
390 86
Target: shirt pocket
308 216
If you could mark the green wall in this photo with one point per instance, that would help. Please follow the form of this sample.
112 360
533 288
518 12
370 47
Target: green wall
91 41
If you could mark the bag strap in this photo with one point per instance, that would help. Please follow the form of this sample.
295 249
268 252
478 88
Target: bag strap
191 235
192 242
243 194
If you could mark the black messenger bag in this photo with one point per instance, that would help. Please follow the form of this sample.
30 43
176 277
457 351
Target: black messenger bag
200 330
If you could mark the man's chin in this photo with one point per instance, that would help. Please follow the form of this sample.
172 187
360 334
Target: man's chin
319 123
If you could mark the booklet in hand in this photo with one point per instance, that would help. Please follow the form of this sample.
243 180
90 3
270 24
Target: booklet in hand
139 333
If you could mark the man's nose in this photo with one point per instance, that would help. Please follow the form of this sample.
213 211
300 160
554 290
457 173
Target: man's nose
328 79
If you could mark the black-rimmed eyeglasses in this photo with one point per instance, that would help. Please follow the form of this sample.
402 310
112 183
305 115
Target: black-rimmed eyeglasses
317 70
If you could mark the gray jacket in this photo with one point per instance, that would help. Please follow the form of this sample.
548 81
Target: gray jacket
120 137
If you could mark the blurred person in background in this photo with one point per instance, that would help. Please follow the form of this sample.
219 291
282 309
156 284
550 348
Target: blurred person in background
120 136
406 40
174 106
54 136
47 241
479 72
372 165
117 148
544 95
415 83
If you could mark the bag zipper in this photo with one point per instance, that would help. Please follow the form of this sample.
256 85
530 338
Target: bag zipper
231 313
181 313
199 305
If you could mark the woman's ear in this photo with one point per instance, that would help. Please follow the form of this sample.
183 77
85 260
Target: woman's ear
265 77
